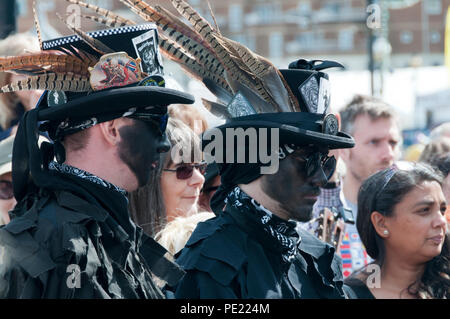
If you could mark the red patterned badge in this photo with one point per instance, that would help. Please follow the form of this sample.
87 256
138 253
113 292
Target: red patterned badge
115 70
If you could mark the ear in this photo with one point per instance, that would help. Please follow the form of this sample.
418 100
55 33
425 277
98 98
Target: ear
379 223
110 131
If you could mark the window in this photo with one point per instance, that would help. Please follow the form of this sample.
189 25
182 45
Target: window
345 40
433 6
268 12
276 45
435 37
406 37
235 17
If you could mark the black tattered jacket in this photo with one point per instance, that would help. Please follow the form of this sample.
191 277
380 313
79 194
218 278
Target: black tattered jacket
77 241
232 256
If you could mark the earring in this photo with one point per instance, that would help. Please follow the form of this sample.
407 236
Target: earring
385 232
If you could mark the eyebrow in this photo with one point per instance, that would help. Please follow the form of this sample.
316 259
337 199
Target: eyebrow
428 202
424 202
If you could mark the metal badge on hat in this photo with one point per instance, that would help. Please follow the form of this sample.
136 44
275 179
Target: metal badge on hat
330 124
115 70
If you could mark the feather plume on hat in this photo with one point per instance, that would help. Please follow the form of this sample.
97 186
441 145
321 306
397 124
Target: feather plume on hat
226 67
62 69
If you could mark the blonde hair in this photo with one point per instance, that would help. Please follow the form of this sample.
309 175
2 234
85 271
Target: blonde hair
189 114
14 45
176 233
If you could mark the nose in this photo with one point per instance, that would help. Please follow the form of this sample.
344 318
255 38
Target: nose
197 179
318 178
387 152
440 221
163 144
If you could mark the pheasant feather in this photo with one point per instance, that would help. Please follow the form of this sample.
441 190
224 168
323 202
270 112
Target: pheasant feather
46 61
108 14
50 81
93 43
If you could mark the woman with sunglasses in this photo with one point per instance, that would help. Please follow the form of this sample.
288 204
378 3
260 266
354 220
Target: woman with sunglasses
174 187
402 225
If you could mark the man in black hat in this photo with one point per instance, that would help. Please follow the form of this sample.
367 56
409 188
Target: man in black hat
71 235
254 247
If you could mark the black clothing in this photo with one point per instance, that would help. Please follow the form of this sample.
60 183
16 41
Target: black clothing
79 227
244 253
358 289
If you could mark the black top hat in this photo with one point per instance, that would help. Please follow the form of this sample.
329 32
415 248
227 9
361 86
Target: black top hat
128 79
90 78
312 126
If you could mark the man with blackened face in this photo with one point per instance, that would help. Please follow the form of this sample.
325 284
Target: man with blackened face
71 235
296 185
254 248
141 146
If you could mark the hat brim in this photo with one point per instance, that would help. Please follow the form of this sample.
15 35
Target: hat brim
290 134
114 100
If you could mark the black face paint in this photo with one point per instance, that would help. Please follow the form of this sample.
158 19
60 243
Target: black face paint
139 149
295 193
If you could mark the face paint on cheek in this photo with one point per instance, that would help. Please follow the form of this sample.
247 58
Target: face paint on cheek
288 187
138 150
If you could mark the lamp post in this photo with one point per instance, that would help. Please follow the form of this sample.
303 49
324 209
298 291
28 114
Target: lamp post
370 49
7 17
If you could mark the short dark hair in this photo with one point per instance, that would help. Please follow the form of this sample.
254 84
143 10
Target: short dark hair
379 193
364 105
76 141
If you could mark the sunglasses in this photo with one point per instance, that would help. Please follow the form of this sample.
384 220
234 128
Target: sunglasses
318 160
185 171
158 121
6 190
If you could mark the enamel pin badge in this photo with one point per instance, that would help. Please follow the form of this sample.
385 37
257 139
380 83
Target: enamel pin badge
115 70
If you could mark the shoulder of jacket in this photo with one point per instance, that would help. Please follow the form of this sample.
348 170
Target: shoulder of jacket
219 249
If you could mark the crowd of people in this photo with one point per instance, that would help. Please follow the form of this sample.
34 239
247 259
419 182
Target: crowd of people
117 192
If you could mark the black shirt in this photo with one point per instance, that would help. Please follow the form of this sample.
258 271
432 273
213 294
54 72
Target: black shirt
359 289
78 241
236 255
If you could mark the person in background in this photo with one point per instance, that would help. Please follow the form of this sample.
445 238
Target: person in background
174 235
435 148
402 225
7 200
14 104
437 154
174 188
373 124
191 116
442 130
442 163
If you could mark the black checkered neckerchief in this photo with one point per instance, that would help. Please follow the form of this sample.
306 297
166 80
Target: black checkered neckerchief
67 169
283 231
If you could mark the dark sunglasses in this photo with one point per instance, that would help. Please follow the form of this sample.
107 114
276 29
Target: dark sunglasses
157 121
185 171
6 190
316 160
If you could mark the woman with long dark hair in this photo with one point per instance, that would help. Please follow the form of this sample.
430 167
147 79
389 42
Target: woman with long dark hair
174 187
401 222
